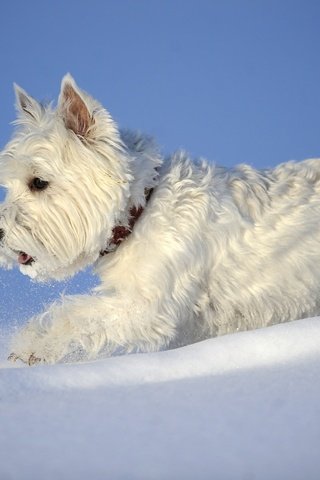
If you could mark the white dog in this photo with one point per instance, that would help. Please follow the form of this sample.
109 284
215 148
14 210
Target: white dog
184 249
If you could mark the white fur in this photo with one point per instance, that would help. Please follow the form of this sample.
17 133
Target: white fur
215 251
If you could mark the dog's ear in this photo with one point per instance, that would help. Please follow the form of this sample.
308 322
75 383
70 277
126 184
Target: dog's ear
73 108
26 105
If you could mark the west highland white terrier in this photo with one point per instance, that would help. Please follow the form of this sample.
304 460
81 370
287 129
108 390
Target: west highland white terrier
184 249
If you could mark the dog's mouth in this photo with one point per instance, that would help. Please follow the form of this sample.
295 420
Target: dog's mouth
25 259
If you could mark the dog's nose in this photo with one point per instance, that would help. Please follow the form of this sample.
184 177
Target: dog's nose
1 234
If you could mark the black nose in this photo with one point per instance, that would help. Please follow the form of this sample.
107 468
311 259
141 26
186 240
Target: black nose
1 234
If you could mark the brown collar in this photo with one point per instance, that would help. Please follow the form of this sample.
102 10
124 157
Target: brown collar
120 232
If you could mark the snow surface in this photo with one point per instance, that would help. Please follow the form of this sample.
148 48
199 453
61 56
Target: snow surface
244 406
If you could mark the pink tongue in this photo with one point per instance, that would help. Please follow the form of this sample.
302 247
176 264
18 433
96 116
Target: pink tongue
24 258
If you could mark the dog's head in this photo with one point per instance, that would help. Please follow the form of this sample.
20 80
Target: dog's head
67 176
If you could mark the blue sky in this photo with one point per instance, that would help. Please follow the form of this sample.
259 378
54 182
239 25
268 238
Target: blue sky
231 80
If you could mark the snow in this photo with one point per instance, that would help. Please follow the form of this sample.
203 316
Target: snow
243 406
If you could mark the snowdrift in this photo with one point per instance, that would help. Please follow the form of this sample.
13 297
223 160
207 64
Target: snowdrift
243 406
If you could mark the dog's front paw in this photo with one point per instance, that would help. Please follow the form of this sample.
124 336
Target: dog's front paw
33 345
31 360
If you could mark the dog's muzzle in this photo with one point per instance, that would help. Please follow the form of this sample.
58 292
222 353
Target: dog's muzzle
1 234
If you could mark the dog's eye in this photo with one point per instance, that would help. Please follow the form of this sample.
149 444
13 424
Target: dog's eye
38 184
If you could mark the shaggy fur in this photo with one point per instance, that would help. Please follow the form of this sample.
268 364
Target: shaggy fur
215 250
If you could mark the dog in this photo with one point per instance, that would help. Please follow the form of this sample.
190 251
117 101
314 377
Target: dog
185 249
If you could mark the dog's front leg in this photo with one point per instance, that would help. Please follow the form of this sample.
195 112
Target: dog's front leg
82 326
